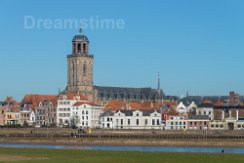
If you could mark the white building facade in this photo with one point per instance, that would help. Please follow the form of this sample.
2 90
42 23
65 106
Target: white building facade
205 109
75 110
85 114
129 119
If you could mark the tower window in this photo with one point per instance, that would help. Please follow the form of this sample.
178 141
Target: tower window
84 48
73 47
84 69
79 48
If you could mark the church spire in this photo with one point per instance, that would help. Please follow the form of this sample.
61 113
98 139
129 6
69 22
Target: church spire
158 81
80 31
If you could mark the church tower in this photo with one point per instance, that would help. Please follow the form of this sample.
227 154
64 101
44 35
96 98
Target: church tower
80 67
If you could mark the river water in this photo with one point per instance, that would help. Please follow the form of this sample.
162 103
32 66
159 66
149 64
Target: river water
130 148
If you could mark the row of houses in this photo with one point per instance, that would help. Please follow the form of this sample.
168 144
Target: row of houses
74 110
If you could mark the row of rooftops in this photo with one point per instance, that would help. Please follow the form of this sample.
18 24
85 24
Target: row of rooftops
33 100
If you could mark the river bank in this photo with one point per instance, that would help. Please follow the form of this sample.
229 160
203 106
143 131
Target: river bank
61 136
129 142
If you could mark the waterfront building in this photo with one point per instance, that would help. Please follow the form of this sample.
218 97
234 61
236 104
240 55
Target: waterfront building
64 106
131 119
2 112
181 108
85 114
75 110
198 122
206 108
176 122
228 118
44 106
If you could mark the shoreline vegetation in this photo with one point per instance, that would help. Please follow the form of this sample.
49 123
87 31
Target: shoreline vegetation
61 136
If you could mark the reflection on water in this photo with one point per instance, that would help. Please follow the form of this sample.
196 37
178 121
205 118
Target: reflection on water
130 148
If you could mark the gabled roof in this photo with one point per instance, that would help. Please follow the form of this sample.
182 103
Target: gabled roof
34 99
107 113
144 112
10 100
88 103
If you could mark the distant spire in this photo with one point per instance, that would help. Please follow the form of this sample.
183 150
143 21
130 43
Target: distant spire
80 31
158 81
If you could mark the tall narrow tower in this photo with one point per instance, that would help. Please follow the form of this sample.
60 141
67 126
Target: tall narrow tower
80 67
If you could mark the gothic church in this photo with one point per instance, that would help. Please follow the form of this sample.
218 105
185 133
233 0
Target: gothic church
80 78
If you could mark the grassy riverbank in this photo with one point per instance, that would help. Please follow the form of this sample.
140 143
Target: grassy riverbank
60 155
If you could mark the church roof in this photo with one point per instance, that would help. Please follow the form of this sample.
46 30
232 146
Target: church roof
133 105
129 93
80 37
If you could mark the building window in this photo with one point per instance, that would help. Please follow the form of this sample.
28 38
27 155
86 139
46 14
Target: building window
153 122
146 122
137 122
157 121
128 121
121 121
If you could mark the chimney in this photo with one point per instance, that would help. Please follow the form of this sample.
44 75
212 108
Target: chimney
237 115
230 113
223 115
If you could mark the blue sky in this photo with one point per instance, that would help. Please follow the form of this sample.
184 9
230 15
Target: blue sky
195 45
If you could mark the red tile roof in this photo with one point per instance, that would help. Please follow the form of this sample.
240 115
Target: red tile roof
10 99
35 99
219 103
207 102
